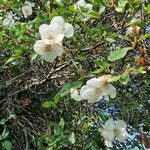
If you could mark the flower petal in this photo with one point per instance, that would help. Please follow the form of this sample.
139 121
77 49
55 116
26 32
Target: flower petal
110 90
93 83
75 95
68 30
58 20
81 3
129 30
44 31
50 32
86 92
106 97
55 29
88 6
59 38
39 47
95 99
49 57
58 49
108 143
110 124
122 136
121 125
108 134
27 10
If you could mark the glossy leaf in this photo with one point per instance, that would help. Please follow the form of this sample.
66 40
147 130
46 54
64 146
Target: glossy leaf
7 145
118 54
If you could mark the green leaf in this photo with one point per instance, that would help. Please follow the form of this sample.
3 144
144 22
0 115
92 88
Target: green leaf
133 21
66 88
136 106
94 14
144 37
58 130
102 63
114 78
5 133
2 2
63 92
10 60
102 116
147 9
72 138
12 116
124 79
62 123
118 54
3 121
49 104
7 145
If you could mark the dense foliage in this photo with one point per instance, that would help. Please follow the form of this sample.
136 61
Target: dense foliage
74 74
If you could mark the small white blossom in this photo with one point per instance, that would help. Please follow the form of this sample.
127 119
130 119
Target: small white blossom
81 3
50 46
133 30
114 129
97 88
85 5
27 10
48 49
66 28
9 20
75 95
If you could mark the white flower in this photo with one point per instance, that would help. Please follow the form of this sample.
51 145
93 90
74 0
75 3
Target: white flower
81 3
59 2
87 6
75 95
48 49
27 10
51 44
133 30
97 88
9 20
65 28
51 32
114 129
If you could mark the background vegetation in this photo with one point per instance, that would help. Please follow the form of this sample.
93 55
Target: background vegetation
37 111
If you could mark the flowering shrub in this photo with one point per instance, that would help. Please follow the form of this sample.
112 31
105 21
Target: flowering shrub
92 73
52 35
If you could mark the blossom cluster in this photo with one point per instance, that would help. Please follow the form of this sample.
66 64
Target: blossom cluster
95 89
26 11
114 129
50 46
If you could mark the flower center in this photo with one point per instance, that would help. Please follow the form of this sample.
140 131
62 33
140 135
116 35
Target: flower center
116 131
97 92
48 48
